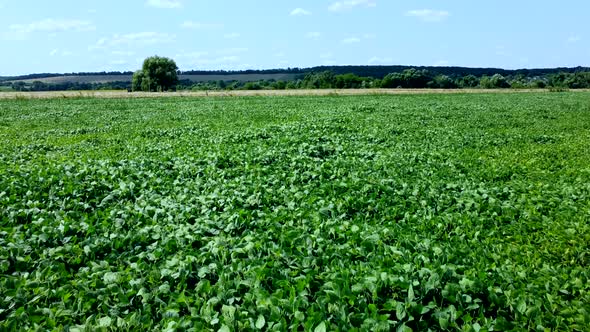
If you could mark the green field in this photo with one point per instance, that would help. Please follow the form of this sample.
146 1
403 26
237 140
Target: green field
362 213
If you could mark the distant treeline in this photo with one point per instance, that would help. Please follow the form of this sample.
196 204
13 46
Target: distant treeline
382 71
368 71
408 79
351 77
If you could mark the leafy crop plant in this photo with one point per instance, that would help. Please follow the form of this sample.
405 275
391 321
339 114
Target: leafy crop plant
465 212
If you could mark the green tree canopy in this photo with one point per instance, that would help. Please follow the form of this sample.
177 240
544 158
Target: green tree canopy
319 80
409 78
442 82
499 81
580 80
469 81
156 74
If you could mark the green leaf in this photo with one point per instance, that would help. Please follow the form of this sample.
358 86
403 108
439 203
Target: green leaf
224 328
476 327
320 328
400 311
105 322
443 322
260 322
228 313
411 296
203 272
404 328
521 307
299 316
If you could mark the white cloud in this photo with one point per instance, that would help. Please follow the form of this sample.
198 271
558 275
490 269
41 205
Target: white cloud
168 4
232 35
144 38
429 15
232 50
200 25
123 53
313 35
350 4
52 25
56 51
119 62
203 60
441 63
227 58
225 53
378 60
300 12
101 43
351 40
191 54
357 38
134 39
574 39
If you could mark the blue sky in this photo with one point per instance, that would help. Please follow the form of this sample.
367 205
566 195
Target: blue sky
74 36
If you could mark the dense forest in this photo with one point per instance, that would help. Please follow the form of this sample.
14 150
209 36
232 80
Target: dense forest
382 71
372 71
408 79
341 77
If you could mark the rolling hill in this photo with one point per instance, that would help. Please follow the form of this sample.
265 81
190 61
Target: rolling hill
127 78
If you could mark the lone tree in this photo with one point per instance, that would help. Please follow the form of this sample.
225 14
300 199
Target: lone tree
156 74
